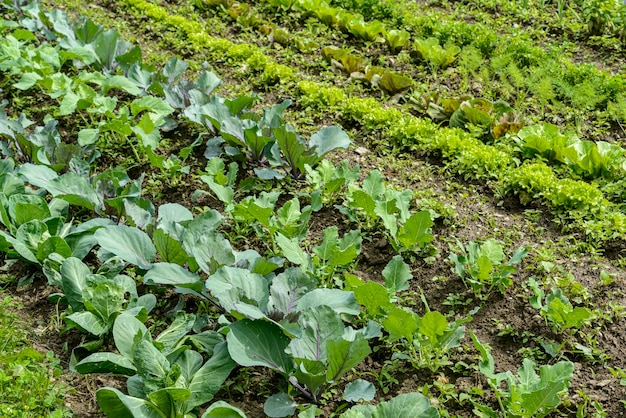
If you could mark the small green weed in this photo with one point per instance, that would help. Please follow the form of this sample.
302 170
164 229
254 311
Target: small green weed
27 377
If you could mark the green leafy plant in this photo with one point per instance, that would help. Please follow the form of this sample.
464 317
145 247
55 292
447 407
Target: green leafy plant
328 182
96 300
167 377
36 229
528 394
588 158
290 326
436 56
557 310
375 203
408 404
482 266
397 39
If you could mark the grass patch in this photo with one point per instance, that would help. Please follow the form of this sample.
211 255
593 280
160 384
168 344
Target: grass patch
28 378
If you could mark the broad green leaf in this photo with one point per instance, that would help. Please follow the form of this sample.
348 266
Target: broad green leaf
106 299
397 275
416 230
130 244
53 245
287 288
289 213
492 249
37 175
393 82
178 329
27 81
150 362
169 398
406 405
152 104
433 325
343 355
400 323
74 189
373 184
116 404
221 409
173 212
259 343
339 300
88 136
28 237
328 139
363 201
170 249
235 287
24 208
122 83
359 390
207 381
577 317
292 251
74 281
173 275
279 405
87 322
106 363
311 374
374 298
128 333
189 362
318 326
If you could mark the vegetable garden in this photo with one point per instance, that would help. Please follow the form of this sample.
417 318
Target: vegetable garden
347 208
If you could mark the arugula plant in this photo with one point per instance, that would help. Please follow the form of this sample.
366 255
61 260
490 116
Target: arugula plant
373 203
482 267
333 255
526 395
167 375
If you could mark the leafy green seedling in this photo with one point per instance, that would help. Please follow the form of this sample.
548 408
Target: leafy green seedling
557 310
482 266
374 203
527 394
